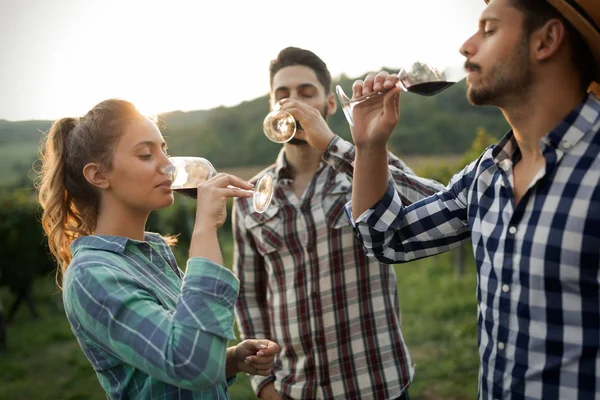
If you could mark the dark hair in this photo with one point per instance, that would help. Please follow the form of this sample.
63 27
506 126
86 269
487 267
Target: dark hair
537 13
296 56
69 202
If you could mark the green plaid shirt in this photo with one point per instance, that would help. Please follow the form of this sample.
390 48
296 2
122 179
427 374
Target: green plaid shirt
148 332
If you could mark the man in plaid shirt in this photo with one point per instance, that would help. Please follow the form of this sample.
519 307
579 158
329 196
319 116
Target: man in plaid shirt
530 204
305 280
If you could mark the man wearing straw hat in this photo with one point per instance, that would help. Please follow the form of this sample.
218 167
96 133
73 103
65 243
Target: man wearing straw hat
529 204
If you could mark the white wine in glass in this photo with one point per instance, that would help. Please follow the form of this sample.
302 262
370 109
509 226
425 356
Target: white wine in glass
425 79
280 126
189 172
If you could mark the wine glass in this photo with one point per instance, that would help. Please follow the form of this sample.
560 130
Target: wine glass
279 126
188 172
423 78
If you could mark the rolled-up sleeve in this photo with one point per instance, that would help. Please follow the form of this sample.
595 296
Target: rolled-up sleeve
394 233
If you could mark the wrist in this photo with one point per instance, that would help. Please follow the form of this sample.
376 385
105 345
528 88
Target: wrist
205 243
324 141
204 223
370 149
204 231
231 363
267 390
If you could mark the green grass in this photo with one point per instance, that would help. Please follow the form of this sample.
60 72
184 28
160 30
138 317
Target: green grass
43 361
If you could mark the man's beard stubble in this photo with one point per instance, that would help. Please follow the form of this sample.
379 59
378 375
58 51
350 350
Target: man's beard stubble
512 77
297 142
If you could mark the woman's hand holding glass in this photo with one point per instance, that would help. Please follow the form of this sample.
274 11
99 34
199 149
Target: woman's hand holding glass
212 195
189 172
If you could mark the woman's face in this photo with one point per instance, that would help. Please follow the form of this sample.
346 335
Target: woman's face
137 178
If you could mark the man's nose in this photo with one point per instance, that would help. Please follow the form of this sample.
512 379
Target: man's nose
294 95
468 48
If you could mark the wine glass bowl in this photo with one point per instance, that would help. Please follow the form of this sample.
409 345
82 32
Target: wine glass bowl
422 78
189 172
279 126
263 192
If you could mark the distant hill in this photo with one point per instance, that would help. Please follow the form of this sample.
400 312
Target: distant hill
232 136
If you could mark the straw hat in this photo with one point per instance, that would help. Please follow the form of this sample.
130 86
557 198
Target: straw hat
584 15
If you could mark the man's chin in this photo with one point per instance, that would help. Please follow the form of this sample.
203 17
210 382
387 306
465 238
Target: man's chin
477 98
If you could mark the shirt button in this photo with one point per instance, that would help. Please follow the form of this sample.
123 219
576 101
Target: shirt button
512 230
334 148
566 144
501 346
505 288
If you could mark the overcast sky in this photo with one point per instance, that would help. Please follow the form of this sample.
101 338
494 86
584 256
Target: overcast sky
60 57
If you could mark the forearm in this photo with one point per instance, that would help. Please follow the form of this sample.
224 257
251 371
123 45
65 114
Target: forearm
205 243
231 365
393 233
172 346
268 391
203 321
370 178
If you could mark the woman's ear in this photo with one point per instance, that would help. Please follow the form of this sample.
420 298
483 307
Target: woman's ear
95 175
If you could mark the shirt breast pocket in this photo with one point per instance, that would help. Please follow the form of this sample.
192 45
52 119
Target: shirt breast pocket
267 231
334 202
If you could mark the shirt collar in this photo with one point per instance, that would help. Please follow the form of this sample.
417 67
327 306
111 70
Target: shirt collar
115 244
575 126
564 136
282 168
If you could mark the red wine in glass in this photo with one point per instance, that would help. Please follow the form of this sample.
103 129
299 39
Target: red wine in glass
429 88
189 192
189 172
426 79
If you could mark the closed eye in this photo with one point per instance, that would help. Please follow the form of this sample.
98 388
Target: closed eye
308 91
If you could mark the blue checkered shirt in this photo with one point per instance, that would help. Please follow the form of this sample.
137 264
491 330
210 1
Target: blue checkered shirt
538 262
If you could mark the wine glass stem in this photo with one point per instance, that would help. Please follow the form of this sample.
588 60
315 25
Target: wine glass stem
245 190
372 95
367 96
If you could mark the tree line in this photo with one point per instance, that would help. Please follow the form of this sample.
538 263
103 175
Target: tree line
233 137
